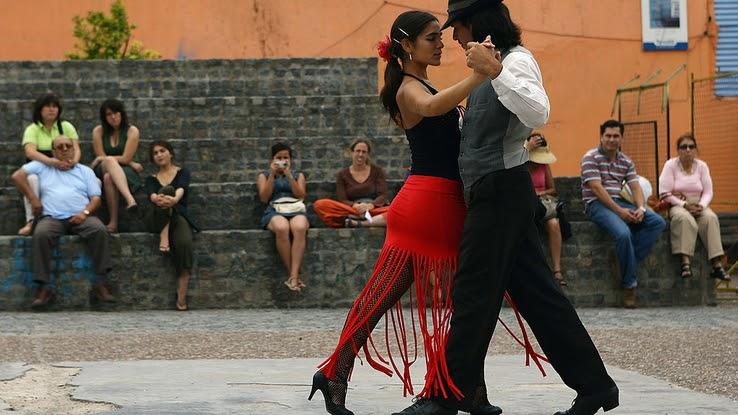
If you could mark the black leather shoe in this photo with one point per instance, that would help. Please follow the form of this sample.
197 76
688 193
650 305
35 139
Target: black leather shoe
589 405
423 406
487 409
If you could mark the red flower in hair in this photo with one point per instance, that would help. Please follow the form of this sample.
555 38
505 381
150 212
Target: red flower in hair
383 49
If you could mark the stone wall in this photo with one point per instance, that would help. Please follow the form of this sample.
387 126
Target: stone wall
221 117
236 269
25 80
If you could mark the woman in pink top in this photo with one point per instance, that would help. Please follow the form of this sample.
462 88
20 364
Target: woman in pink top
540 172
686 184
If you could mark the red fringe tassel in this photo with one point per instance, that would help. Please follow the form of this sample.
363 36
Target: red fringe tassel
433 279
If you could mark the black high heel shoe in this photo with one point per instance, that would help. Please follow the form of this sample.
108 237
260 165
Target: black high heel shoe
320 382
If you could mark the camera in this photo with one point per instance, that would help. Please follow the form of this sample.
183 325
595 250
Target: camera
281 164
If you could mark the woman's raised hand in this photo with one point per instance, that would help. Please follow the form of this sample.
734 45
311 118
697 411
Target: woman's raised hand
274 168
533 143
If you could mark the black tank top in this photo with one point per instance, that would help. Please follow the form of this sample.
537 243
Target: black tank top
434 143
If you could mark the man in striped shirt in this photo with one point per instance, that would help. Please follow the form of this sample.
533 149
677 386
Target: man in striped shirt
605 170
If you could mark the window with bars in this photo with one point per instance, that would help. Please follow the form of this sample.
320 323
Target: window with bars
726 16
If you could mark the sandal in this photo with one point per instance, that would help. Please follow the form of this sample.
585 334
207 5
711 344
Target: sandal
351 223
719 274
291 286
181 307
300 284
164 249
559 277
686 270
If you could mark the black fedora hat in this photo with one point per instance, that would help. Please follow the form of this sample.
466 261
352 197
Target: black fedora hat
458 9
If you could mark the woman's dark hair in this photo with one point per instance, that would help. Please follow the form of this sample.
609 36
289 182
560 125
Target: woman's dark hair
115 106
685 137
277 147
408 25
361 140
160 143
496 22
45 100
612 124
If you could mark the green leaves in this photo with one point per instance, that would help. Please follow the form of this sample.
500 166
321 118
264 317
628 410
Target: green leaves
108 37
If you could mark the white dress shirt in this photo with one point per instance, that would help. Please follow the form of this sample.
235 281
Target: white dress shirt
520 89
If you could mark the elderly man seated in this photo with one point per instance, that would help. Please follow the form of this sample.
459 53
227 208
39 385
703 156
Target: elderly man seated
69 194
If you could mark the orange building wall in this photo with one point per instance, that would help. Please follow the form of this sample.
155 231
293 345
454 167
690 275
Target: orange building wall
586 49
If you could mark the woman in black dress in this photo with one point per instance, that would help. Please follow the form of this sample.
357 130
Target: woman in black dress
168 189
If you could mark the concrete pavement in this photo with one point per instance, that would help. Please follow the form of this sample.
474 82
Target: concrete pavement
279 386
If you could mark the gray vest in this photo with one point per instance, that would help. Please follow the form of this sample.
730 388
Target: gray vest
492 137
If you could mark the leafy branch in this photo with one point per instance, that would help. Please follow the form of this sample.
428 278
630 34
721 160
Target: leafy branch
108 37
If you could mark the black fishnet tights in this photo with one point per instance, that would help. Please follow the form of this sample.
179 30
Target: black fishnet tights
347 355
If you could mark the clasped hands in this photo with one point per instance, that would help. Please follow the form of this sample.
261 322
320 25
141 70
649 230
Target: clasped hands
136 166
164 201
363 207
695 209
632 215
484 58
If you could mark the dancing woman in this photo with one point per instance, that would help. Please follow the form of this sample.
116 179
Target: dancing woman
424 223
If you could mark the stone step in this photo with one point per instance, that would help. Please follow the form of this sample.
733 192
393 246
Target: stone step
241 159
241 269
214 206
224 116
235 205
99 80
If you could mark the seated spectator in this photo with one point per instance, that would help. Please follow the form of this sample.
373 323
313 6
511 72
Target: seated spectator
115 142
360 188
168 190
605 169
539 167
37 138
685 183
283 191
69 195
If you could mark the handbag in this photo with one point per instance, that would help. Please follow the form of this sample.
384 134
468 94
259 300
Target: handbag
288 206
550 203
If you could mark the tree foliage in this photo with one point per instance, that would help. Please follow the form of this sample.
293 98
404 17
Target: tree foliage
108 37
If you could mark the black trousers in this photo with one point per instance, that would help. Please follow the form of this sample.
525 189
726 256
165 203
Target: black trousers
501 250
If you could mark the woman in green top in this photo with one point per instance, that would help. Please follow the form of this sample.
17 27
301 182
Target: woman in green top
115 142
37 138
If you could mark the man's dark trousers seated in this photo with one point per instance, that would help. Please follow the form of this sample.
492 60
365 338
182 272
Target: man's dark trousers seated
45 236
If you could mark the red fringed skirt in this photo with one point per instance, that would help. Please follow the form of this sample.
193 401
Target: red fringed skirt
424 226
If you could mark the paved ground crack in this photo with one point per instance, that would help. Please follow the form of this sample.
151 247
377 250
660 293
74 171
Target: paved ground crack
46 389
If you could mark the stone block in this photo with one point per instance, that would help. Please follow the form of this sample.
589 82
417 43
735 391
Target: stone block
222 117
193 78
214 206
242 159
237 268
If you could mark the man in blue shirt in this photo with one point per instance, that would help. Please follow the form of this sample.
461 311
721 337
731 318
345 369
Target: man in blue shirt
66 200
